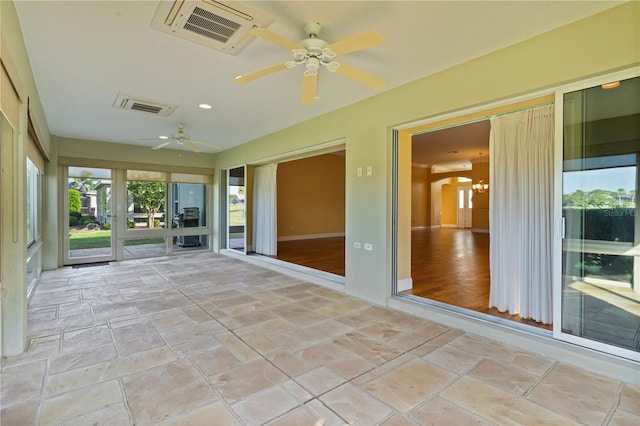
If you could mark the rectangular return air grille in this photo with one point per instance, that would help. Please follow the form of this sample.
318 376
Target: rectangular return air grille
212 23
128 102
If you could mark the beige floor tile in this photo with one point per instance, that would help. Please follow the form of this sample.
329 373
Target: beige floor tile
325 416
85 338
20 382
258 341
245 380
504 376
440 412
215 361
82 358
298 417
237 347
179 319
190 333
137 338
533 364
295 390
79 402
499 406
215 414
289 364
38 349
398 420
405 387
110 415
453 358
624 418
323 353
630 399
265 405
355 405
320 380
372 350
576 394
166 392
20 413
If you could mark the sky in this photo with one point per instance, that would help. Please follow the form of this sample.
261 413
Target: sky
606 179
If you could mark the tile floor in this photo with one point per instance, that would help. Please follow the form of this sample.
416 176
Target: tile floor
203 339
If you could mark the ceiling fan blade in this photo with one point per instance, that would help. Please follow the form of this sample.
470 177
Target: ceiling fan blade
207 144
275 38
191 145
162 145
309 88
356 42
359 76
260 73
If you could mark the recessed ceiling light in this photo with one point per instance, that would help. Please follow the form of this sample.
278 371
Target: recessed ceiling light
163 137
205 106
452 152
611 85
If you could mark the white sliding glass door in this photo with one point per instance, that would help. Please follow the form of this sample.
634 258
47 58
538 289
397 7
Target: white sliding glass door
598 296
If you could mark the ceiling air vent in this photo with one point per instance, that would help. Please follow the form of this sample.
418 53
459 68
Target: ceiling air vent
215 24
136 104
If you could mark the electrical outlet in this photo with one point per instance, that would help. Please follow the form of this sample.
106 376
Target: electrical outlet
359 172
368 246
357 245
369 171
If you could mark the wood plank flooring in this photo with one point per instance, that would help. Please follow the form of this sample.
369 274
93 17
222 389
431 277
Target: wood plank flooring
323 254
449 265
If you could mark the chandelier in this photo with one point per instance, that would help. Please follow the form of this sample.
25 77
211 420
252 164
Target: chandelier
480 187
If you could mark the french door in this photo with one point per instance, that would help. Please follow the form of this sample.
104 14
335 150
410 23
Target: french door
598 296
89 219
465 204
236 210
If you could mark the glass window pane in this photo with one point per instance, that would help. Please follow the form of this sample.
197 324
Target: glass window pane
601 262
146 203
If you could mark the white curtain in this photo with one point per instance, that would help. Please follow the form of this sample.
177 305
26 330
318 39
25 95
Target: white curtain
521 217
265 210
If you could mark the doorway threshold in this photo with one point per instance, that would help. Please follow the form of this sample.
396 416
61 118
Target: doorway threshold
315 276
480 316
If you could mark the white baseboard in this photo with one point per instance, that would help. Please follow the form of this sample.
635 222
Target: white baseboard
448 225
480 230
405 284
311 236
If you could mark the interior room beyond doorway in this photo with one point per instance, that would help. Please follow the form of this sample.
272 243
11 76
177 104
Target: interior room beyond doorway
450 218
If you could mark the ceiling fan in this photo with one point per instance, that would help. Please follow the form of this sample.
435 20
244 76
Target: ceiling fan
314 53
181 138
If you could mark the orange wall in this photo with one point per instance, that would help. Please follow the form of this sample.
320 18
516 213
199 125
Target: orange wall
449 198
311 196
421 197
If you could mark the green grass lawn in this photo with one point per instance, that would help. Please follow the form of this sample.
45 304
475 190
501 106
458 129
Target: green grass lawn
236 214
100 239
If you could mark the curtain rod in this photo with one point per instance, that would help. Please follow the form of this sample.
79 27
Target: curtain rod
483 118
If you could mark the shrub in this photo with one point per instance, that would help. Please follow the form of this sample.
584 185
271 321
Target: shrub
74 201
88 219
156 223
131 224
74 218
106 226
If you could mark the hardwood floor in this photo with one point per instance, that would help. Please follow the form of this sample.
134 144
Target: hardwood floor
323 254
449 265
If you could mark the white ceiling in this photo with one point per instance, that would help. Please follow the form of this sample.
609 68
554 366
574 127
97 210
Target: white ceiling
83 53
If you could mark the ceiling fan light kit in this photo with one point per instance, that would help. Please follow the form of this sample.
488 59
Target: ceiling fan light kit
315 53
183 139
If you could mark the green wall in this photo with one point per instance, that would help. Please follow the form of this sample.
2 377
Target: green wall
598 44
